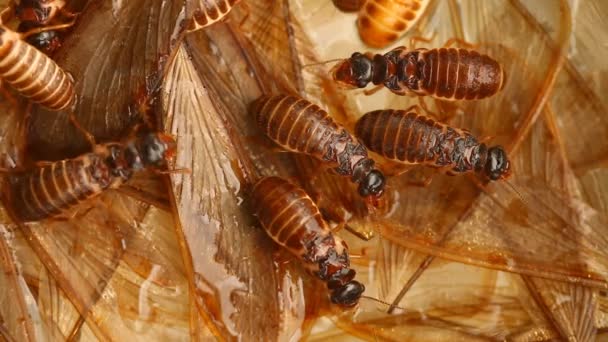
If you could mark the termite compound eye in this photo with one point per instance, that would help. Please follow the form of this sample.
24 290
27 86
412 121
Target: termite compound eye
372 184
349 294
498 163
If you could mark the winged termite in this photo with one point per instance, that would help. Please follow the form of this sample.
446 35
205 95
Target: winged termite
446 73
127 61
381 22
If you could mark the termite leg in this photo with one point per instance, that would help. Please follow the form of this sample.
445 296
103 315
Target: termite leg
247 10
423 183
8 96
414 39
460 42
7 14
373 90
47 28
426 109
68 14
90 138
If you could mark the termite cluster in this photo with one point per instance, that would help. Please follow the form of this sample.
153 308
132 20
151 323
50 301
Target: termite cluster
49 190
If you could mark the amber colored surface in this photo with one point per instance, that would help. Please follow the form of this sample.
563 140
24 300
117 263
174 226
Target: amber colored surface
180 257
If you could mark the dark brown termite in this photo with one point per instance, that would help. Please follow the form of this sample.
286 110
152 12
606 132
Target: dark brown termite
292 220
445 73
53 189
298 125
39 22
411 138
212 11
348 5
382 22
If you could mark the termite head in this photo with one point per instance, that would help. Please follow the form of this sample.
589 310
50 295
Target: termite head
497 165
355 72
372 184
152 150
34 11
348 294
46 41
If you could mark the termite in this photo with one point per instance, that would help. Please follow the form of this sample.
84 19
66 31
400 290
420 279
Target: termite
411 138
445 73
212 11
53 189
298 125
292 220
348 5
37 19
32 73
381 22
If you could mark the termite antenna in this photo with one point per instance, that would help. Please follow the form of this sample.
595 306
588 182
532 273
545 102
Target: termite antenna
383 302
321 63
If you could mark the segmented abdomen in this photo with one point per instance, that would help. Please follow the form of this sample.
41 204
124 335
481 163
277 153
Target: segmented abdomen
293 220
349 5
459 74
53 189
381 22
411 138
211 11
33 74
301 126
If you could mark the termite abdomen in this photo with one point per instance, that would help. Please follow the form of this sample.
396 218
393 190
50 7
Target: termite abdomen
450 74
50 190
411 138
301 126
32 73
381 22
56 187
348 5
292 220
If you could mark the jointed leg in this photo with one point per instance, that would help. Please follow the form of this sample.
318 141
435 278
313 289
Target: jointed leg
90 138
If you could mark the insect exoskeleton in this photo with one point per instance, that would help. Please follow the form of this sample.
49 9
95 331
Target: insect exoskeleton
445 73
411 138
212 11
300 126
292 220
382 22
32 73
39 25
52 189
348 5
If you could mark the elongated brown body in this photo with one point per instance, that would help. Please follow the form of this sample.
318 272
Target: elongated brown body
348 5
212 11
293 221
382 22
32 73
301 126
55 188
449 74
411 138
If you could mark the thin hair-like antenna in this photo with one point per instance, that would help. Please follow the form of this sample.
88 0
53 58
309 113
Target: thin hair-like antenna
383 302
321 63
